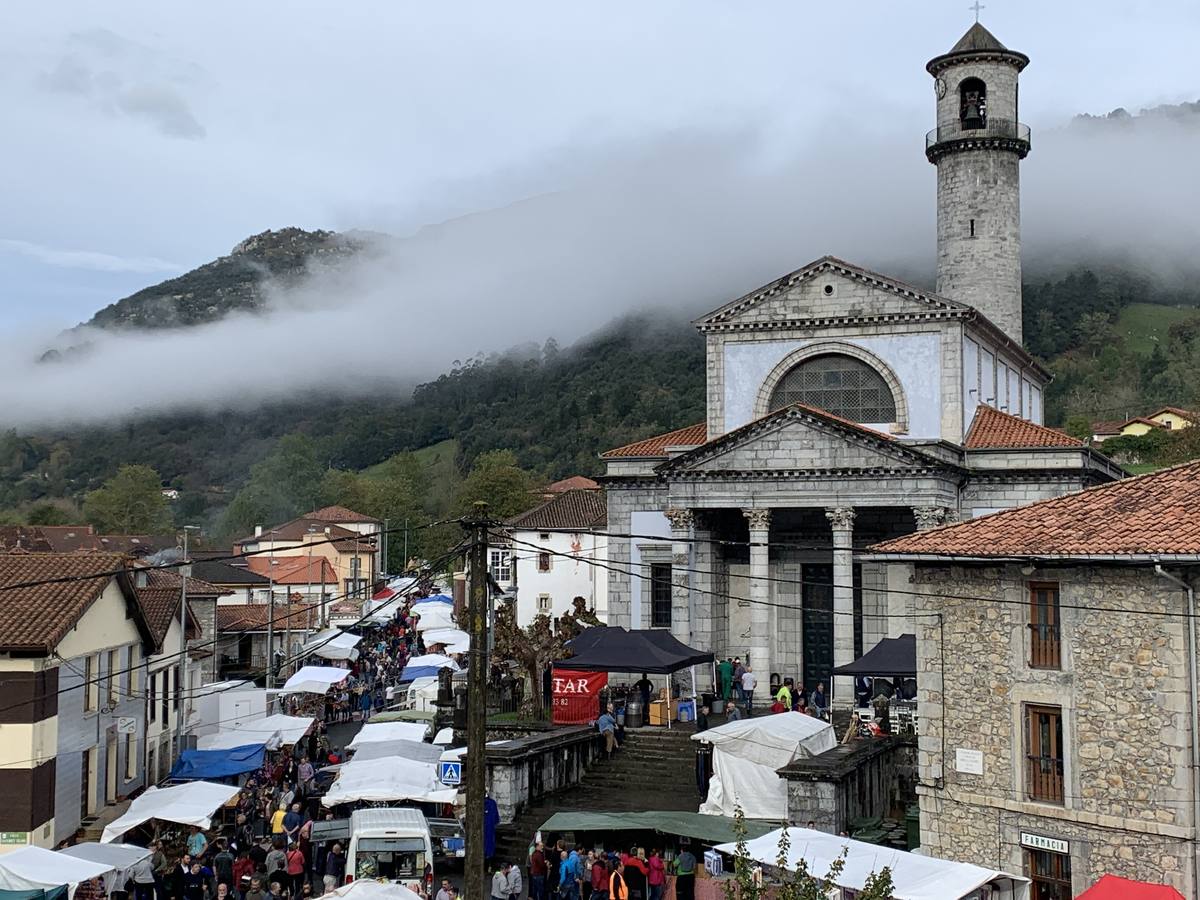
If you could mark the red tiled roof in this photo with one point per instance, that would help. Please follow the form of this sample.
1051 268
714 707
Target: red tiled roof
254 616
293 569
1182 413
39 617
1155 514
160 600
339 514
993 429
571 509
574 483
1109 426
297 531
692 436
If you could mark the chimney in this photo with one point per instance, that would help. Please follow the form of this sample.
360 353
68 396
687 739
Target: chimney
141 578
258 531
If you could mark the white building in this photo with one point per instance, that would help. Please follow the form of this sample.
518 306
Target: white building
558 551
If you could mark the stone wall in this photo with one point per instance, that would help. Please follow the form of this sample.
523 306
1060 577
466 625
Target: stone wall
634 507
849 782
1124 696
525 769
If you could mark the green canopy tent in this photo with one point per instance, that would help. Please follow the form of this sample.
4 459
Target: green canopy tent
706 829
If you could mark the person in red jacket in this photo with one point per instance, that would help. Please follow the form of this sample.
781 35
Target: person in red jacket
657 878
600 880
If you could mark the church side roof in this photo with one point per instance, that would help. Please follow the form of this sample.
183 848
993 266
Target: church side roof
656 447
976 43
992 429
1155 515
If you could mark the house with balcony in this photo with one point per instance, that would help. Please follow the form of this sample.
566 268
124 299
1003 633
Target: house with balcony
1057 684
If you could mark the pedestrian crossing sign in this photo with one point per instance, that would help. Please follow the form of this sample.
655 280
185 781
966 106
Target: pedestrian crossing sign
450 772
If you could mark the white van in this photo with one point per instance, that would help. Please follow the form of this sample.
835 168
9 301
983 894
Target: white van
392 844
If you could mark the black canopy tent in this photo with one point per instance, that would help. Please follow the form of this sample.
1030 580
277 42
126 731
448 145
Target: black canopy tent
615 649
890 658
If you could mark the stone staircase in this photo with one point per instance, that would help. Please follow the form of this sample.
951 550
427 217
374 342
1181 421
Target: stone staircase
654 769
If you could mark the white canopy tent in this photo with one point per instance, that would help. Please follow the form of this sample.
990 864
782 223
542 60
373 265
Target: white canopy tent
121 857
187 804
434 616
314 680
273 731
455 640
380 732
373 890
37 869
387 779
414 750
914 877
332 643
746 755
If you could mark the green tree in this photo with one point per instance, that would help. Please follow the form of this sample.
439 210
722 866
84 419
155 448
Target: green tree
131 502
498 481
46 513
284 485
1079 427
537 645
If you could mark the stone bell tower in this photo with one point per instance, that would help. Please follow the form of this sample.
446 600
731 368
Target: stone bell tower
977 147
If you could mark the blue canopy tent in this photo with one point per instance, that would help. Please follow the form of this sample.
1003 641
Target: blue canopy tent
194 765
426 666
436 598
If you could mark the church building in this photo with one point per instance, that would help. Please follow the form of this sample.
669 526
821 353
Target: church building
845 408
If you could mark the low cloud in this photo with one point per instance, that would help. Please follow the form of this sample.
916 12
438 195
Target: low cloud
87 259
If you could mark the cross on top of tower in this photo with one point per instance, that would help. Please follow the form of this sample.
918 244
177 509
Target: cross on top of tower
977 7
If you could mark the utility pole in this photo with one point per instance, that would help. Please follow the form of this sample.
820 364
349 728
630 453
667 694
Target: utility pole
474 873
271 632
185 572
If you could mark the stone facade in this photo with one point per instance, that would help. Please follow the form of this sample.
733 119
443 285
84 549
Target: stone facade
1123 691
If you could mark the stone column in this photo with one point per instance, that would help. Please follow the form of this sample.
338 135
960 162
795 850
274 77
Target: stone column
760 594
841 519
708 614
682 521
929 517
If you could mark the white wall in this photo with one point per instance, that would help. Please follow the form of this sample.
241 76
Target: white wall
914 358
567 578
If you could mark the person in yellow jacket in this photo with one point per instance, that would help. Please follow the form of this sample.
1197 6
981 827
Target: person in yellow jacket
784 696
617 888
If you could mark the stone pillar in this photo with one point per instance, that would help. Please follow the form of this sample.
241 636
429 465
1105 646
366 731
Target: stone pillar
841 519
760 594
929 517
708 614
681 521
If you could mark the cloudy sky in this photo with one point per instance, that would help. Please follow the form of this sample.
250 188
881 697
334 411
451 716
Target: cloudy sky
143 138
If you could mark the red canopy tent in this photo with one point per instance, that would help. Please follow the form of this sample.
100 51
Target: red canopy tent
1110 887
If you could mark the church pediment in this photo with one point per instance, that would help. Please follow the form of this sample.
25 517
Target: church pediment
798 438
829 290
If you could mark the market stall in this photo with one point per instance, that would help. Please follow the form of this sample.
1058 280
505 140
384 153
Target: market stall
747 755
332 643
36 869
186 804
385 732
274 731
315 680
433 616
427 666
455 640
121 857
914 877
374 890
195 765
388 779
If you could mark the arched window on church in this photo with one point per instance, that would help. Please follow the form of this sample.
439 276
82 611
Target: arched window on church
972 94
838 384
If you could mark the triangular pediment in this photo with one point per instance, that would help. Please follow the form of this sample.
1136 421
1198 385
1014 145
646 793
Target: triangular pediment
829 290
799 438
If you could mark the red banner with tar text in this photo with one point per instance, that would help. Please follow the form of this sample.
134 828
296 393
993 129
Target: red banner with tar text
576 696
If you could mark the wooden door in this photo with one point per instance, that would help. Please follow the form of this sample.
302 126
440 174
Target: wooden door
817 624
111 770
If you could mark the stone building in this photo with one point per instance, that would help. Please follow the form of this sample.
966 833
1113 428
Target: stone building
844 408
1057 684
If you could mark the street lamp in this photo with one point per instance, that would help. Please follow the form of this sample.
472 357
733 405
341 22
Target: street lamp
185 572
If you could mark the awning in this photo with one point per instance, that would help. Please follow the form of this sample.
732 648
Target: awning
709 829
122 858
914 877
388 779
186 804
193 765
332 643
34 868
455 640
373 890
890 658
381 732
274 731
614 649
434 615
414 750
315 680
427 666
435 598
1111 887
404 715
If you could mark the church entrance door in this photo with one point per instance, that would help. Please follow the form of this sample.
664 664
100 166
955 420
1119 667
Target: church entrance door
817 624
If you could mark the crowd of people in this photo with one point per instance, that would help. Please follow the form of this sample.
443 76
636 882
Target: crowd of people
573 873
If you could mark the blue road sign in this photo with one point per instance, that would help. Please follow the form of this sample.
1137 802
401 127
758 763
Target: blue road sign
450 772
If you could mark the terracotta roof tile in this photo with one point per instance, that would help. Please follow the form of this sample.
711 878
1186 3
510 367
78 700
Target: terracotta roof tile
1182 413
293 569
39 617
1109 426
574 483
160 600
254 616
1158 513
571 509
655 447
298 529
339 514
993 429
